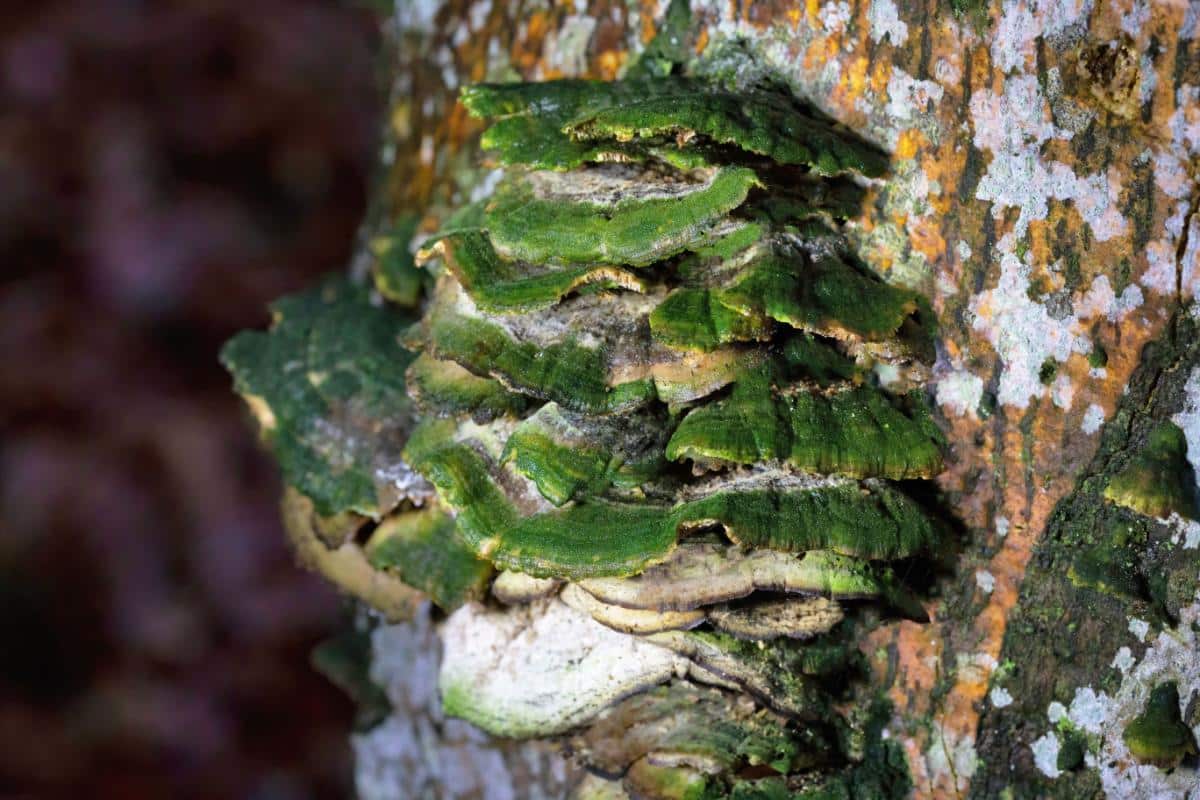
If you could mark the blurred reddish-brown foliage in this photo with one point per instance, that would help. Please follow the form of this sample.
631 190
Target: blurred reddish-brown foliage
166 169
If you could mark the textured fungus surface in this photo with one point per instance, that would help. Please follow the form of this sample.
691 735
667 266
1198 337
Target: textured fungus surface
643 392
326 386
663 338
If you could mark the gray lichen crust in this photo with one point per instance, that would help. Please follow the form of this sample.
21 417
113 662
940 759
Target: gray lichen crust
633 447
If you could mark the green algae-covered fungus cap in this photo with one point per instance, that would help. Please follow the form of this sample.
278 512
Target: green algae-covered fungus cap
1158 735
1158 480
624 419
326 385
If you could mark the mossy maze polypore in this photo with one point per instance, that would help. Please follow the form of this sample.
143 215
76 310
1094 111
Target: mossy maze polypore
327 387
642 390
1158 735
580 121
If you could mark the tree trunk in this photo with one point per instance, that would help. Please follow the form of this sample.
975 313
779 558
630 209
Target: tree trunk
1042 195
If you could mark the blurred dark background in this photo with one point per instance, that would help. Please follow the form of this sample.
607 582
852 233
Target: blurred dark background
166 169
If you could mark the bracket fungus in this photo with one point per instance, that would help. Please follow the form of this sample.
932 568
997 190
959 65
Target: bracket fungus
1158 735
634 447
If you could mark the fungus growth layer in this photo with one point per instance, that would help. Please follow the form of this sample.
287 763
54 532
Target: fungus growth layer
619 421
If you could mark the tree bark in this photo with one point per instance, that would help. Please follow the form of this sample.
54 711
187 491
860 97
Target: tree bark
1043 196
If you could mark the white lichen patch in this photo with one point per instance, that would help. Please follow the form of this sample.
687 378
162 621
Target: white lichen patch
834 17
1062 391
1021 23
1014 126
1087 712
1093 418
417 15
1023 333
1167 274
1026 333
1045 754
1135 19
567 46
974 667
951 757
1140 628
1101 301
1002 526
542 669
1160 275
1123 660
1185 121
909 98
959 392
1185 532
480 191
1000 697
1191 22
985 580
886 23
1088 709
948 73
1188 419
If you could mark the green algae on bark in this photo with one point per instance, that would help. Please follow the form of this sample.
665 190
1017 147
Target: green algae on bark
824 295
597 537
326 384
531 116
540 545
1111 563
865 520
591 353
816 293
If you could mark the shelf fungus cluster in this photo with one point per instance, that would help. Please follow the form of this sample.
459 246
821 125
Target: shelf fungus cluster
648 437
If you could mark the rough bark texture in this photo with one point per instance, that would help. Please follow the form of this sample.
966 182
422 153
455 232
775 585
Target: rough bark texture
1043 196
